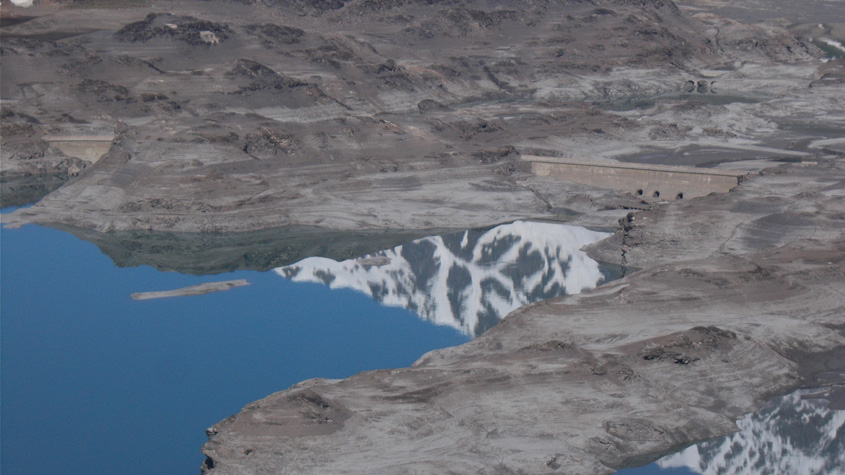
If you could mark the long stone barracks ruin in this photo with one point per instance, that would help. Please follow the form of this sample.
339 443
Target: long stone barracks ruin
648 181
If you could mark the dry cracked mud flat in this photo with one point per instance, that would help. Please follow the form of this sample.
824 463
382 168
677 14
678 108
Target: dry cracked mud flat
252 133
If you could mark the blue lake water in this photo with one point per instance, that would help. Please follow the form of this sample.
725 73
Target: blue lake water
94 382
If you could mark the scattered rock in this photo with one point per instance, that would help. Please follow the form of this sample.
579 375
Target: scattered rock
183 28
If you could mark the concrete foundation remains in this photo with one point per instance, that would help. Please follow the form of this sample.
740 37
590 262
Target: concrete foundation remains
87 147
647 181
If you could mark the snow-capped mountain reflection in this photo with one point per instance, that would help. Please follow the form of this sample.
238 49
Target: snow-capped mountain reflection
792 434
468 280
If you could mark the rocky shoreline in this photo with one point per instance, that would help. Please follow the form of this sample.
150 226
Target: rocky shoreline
249 134
640 367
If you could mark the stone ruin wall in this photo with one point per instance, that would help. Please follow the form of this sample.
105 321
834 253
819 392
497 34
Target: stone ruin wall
88 148
650 182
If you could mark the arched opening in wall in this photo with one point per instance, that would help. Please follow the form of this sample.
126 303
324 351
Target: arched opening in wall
656 194
680 196
639 192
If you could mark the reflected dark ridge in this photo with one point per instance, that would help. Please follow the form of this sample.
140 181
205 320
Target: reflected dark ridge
796 433
81 357
468 280
215 253
27 190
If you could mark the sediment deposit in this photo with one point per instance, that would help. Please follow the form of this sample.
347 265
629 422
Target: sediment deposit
199 289
239 124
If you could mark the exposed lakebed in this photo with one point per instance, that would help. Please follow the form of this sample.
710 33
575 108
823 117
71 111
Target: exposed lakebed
98 380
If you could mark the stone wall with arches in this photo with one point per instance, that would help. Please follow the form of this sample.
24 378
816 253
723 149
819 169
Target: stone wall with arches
650 182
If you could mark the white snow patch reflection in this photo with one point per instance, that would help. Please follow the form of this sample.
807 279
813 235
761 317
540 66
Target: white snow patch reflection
468 280
793 434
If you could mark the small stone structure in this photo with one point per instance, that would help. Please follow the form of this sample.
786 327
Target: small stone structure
648 181
87 147
209 37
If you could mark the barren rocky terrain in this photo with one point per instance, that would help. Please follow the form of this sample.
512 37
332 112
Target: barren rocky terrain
252 133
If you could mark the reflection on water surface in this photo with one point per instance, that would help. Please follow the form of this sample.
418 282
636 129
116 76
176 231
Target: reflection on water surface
793 434
92 378
468 280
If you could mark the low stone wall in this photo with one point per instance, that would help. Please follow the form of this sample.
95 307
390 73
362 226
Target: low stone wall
87 147
648 181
